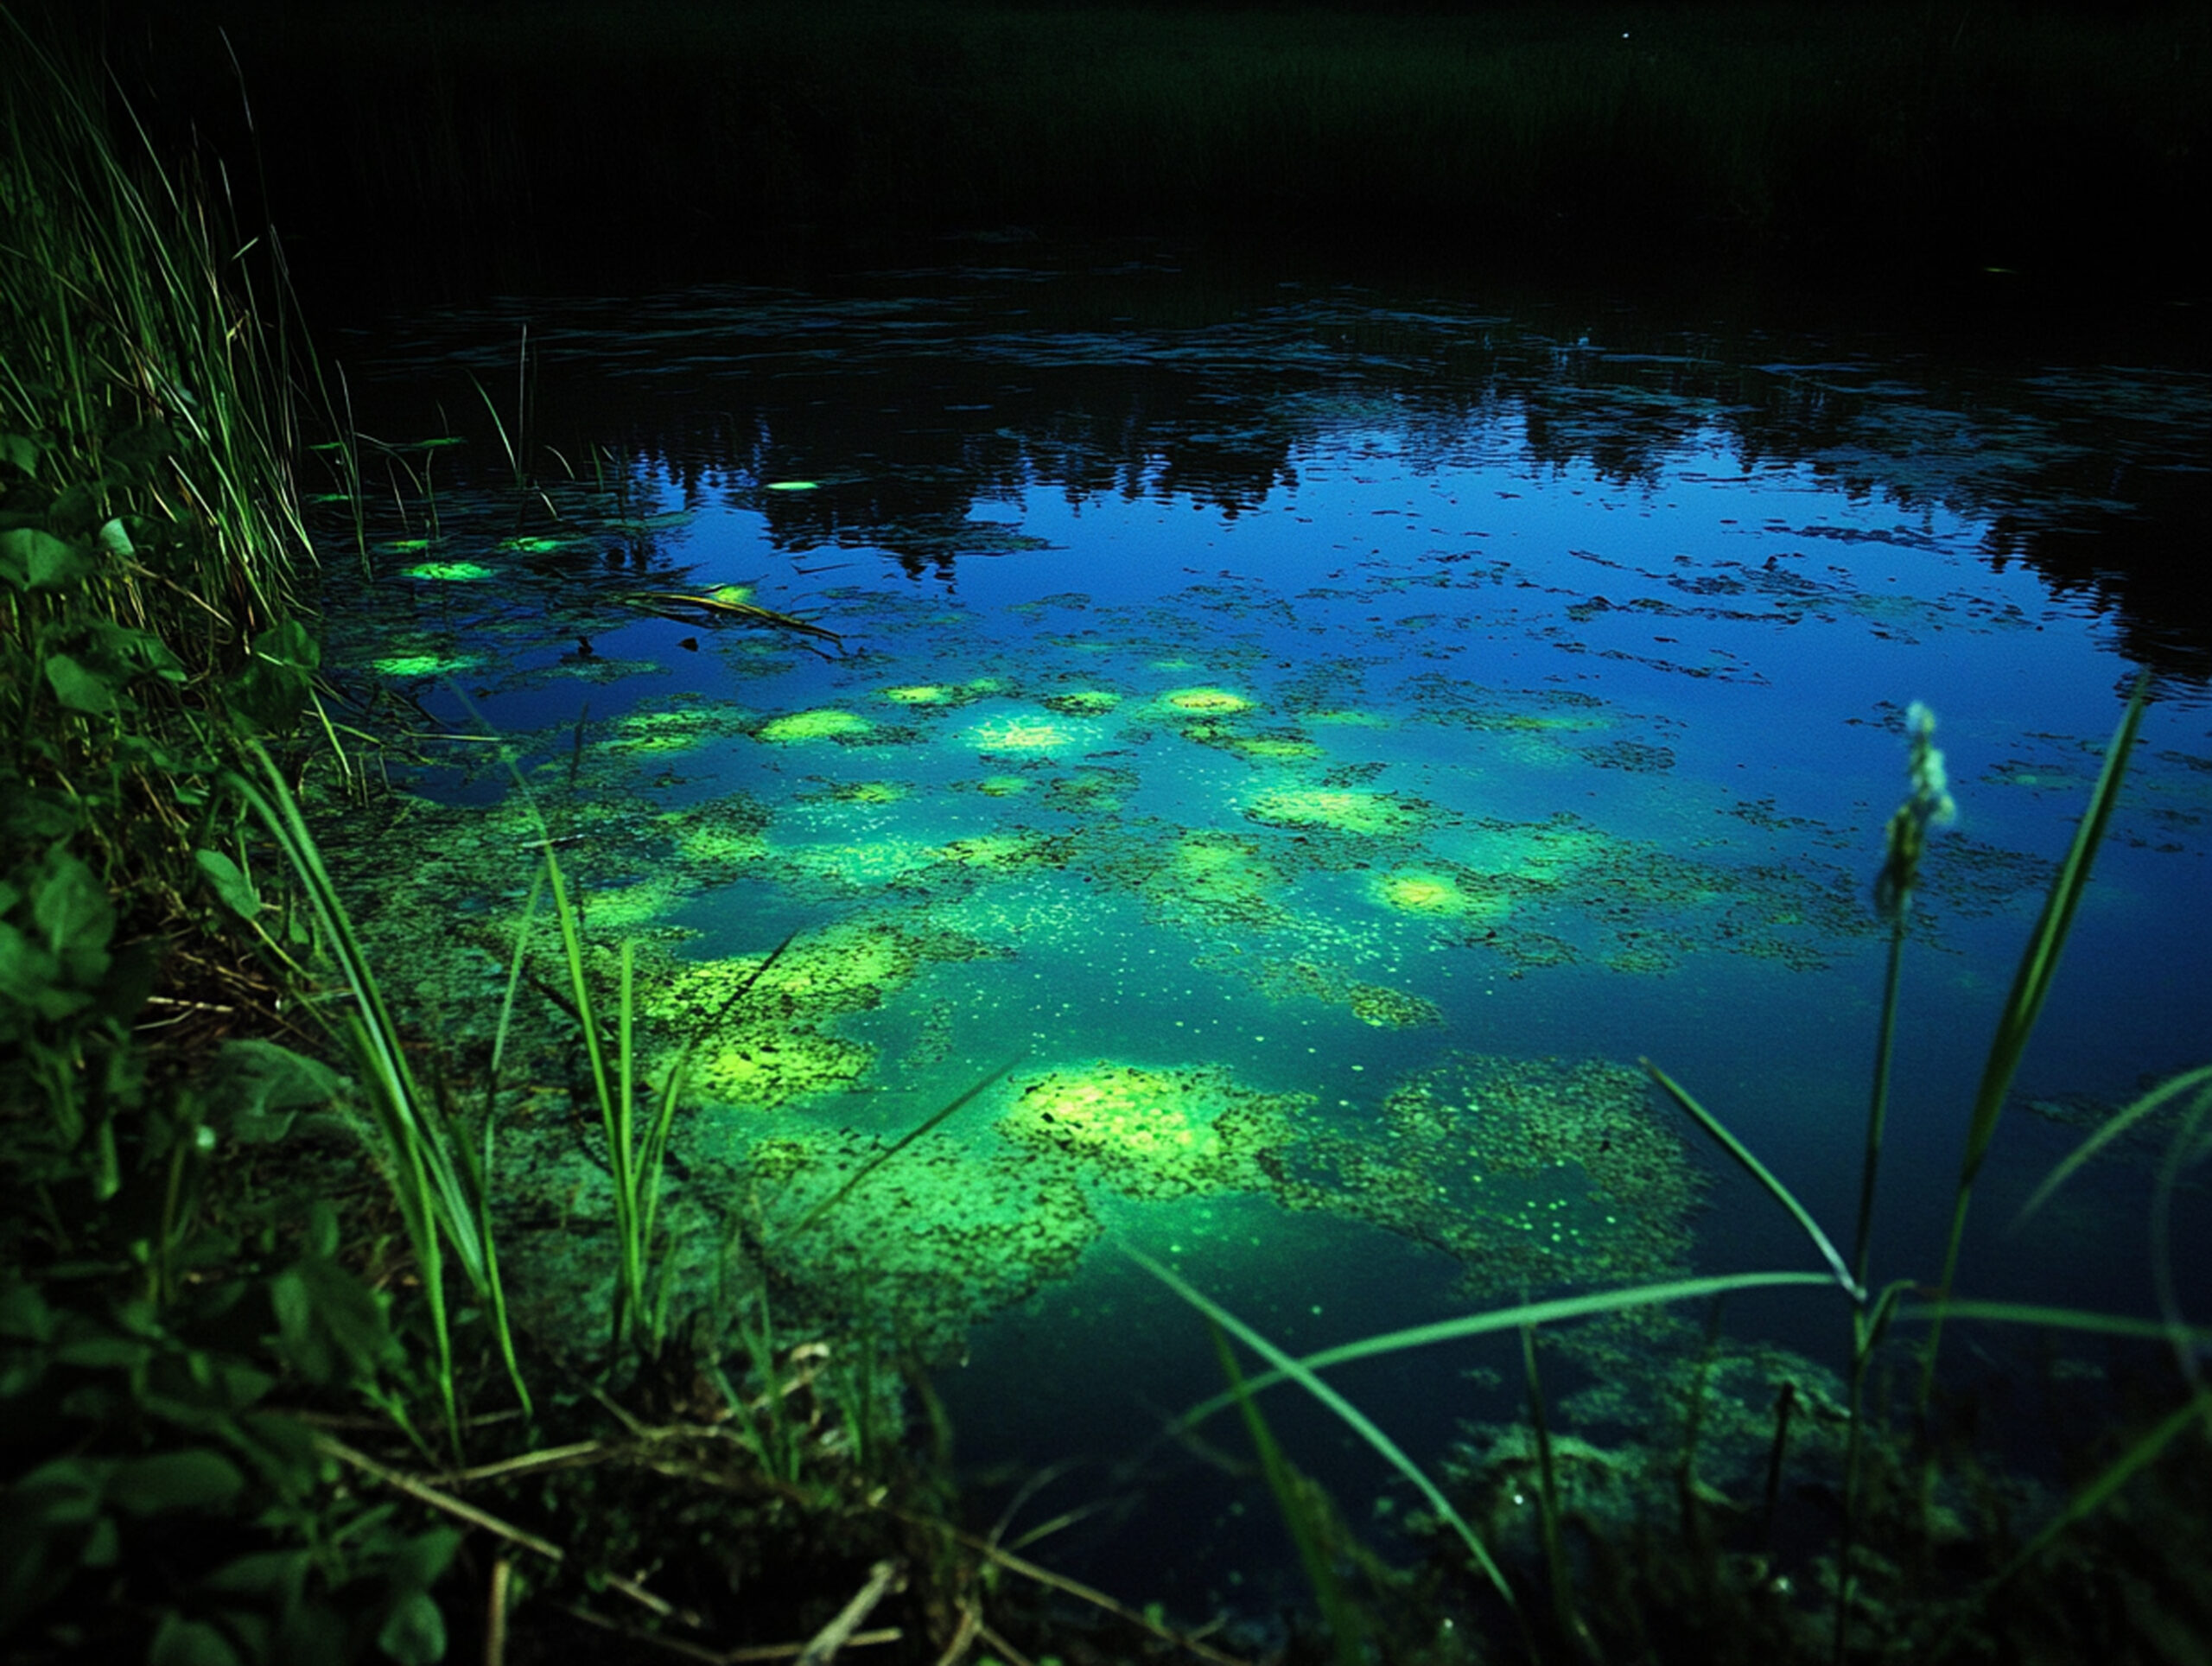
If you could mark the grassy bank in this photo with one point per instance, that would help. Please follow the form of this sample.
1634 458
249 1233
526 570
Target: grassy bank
451 147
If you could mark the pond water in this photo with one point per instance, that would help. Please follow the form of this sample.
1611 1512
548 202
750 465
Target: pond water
1299 750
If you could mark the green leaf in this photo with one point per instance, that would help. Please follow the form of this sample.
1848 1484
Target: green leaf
194 1478
34 559
70 907
78 687
259 1089
414 1632
422 1560
278 1575
114 539
181 1641
104 1350
330 1324
21 451
229 882
24 1315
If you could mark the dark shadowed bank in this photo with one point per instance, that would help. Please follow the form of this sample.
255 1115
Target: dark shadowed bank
434 149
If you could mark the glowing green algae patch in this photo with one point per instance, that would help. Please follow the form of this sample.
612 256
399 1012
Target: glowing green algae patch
1150 1133
827 724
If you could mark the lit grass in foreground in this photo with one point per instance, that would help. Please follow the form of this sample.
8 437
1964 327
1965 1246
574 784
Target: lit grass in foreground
1872 1312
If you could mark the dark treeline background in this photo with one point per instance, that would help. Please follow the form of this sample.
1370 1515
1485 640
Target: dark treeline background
414 151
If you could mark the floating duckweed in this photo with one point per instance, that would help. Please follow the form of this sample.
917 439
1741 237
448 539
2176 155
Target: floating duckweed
1206 701
769 1067
870 792
1386 1009
1003 787
1419 892
1148 1133
1083 702
922 694
941 1236
1338 809
1006 852
827 724
425 664
448 572
1472 1150
862 863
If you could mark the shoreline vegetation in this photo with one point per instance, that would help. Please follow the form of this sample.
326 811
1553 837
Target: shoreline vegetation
433 152
261 1397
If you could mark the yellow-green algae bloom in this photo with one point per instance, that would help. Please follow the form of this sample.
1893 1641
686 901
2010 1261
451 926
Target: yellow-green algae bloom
1005 853
922 694
1003 787
766 1067
870 792
1149 1133
1338 809
448 572
1273 748
826 724
1204 702
424 664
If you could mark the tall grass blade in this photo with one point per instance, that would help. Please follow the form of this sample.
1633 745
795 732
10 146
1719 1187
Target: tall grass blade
2156 1100
2030 985
896 1146
1507 1318
1570 1629
1338 1612
2085 1503
1759 1172
1388 1449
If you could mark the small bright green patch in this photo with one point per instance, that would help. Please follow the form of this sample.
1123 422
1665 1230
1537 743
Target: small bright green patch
921 694
1337 810
1005 852
535 546
1415 891
871 792
793 485
827 724
409 546
1148 1133
1003 787
424 664
451 572
1206 701
731 596
766 1069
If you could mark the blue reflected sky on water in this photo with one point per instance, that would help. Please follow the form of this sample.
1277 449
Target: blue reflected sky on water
1466 571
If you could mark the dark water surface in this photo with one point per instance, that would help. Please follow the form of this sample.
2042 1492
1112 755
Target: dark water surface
1320 739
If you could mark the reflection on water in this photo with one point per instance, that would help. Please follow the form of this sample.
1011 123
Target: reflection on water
1302 755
